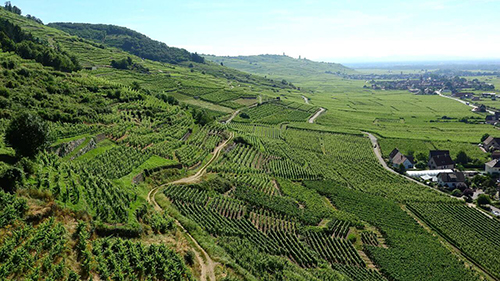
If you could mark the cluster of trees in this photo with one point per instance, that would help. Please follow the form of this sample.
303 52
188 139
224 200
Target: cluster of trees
13 39
129 41
201 116
27 134
14 9
122 64
128 64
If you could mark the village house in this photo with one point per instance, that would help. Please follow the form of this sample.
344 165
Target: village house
476 99
480 108
493 119
464 95
397 158
495 155
492 167
491 144
451 180
440 159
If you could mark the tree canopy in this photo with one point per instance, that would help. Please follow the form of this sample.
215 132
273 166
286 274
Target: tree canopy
28 134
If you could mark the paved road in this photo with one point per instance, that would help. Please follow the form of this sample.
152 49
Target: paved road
316 115
464 102
378 153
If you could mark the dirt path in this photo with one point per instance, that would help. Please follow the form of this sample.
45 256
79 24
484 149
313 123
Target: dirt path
306 100
207 265
232 117
316 115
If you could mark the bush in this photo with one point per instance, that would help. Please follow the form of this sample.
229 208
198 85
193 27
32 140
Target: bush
457 193
189 257
352 238
483 199
28 134
11 179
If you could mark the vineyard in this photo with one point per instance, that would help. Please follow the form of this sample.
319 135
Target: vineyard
122 167
467 228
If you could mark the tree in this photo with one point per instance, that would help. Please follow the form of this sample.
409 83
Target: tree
462 158
402 169
28 134
457 193
11 178
468 192
483 199
421 157
484 137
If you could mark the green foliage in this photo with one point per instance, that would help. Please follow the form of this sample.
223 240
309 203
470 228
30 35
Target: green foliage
11 179
129 41
483 199
27 134
13 39
13 208
467 228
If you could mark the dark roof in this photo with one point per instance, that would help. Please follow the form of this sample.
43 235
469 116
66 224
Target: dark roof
451 177
495 155
433 153
441 157
393 153
411 158
491 118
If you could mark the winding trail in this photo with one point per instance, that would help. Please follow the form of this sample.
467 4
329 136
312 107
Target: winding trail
306 100
232 117
207 265
461 101
316 115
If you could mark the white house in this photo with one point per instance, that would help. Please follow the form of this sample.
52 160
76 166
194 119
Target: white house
492 167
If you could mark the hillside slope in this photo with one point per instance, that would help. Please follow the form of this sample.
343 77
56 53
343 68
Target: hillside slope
280 66
129 40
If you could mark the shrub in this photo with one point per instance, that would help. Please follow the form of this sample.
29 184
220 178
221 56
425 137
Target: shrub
457 193
28 134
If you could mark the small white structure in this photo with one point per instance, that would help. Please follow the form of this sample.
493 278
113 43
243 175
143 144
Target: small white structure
427 174
492 167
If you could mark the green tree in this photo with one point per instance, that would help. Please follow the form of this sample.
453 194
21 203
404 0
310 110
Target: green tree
484 137
421 157
462 158
28 134
483 199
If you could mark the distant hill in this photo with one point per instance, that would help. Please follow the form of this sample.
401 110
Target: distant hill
128 40
280 66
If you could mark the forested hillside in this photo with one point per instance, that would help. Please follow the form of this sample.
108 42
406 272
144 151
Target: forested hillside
129 41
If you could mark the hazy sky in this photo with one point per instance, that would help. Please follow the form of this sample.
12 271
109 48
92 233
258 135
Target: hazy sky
341 31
